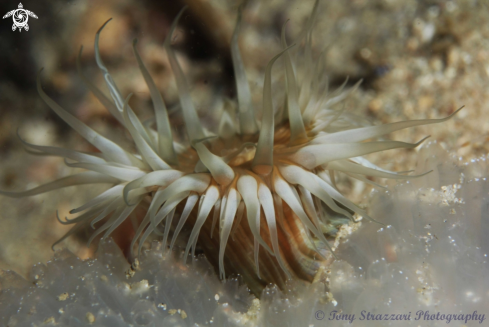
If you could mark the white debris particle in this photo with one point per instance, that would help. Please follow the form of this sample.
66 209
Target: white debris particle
63 296
140 287
90 317
50 320
162 306
254 309
130 273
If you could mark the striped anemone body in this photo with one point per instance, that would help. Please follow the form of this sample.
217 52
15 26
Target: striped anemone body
258 197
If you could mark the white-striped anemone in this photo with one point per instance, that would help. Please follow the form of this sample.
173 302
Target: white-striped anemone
279 174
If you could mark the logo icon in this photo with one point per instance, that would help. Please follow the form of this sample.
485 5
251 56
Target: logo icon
20 16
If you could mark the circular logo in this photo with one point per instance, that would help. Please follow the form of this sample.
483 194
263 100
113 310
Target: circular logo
20 17
319 315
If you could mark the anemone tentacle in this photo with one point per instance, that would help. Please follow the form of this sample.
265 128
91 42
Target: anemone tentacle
245 106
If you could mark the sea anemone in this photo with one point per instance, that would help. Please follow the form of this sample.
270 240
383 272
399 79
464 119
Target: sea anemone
280 173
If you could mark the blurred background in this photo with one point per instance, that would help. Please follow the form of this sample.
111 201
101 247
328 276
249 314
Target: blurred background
417 59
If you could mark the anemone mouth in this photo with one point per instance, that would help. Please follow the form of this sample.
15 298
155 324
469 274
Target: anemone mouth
261 199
